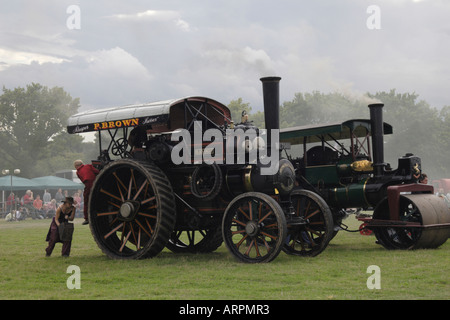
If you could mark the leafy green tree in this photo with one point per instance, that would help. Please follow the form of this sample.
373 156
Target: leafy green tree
29 119
444 132
258 119
63 150
417 129
317 108
444 142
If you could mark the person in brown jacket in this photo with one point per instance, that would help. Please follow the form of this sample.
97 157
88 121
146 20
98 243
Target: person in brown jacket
65 212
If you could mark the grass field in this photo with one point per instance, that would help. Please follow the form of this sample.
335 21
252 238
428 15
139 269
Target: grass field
339 273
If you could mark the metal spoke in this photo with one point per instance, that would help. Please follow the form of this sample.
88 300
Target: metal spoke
147 215
107 213
111 195
113 230
265 217
118 180
239 222
140 189
147 200
313 214
125 241
142 228
244 213
129 187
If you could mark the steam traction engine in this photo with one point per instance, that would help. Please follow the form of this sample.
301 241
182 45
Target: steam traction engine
336 162
142 202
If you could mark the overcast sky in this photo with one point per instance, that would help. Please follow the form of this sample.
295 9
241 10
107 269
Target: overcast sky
122 52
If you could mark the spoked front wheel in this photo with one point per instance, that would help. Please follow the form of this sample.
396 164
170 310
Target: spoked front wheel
131 210
310 227
254 227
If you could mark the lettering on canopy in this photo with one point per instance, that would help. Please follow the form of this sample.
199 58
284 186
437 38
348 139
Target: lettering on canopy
116 124
150 121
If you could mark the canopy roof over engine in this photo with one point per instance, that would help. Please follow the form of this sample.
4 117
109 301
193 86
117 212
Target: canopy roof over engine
161 116
327 132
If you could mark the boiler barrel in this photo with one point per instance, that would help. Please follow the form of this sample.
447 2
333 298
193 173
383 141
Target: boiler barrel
350 196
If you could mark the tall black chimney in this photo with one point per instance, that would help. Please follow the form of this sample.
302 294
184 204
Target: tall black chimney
376 125
271 94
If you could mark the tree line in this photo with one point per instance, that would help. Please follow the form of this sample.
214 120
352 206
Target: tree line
418 128
33 120
32 131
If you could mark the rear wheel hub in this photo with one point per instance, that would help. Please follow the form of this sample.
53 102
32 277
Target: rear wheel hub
128 210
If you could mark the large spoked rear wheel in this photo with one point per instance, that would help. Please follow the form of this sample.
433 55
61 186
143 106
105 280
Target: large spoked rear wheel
131 210
310 228
254 227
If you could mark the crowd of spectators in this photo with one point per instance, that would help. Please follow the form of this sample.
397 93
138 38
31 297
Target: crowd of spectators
32 205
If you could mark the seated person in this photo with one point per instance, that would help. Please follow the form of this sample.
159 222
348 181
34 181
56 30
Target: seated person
136 140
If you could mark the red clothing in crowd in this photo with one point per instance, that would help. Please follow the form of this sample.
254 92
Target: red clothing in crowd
26 199
37 203
87 174
10 201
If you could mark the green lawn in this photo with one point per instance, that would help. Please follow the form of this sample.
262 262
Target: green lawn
340 272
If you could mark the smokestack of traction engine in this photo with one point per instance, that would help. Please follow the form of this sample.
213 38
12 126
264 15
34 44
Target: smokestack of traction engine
271 95
284 178
376 127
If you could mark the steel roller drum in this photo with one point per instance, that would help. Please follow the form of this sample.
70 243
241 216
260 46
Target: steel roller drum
426 210
434 212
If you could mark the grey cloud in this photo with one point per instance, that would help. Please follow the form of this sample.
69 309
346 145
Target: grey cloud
143 51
